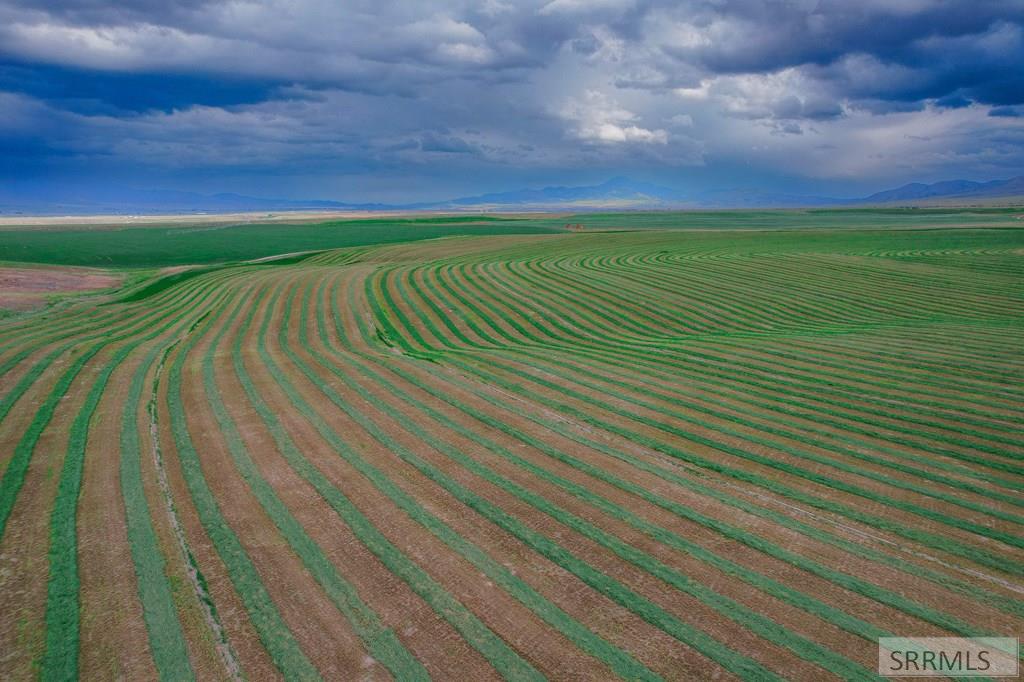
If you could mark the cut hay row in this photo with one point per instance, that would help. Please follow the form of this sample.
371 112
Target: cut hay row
937 541
62 613
553 294
121 325
736 611
166 639
764 627
14 473
493 379
380 642
275 636
414 350
652 455
818 418
616 660
482 639
628 350
866 630
936 617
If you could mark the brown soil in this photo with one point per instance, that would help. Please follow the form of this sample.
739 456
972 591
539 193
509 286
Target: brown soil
432 640
200 637
655 648
24 560
114 640
322 631
548 651
27 288
926 592
252 656
620 418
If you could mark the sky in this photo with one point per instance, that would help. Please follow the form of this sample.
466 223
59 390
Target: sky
420 100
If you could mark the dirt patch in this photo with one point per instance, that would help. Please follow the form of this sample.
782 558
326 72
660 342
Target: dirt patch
27 288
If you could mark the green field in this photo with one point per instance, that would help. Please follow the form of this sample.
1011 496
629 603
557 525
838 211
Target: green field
673 446
155 246
159 246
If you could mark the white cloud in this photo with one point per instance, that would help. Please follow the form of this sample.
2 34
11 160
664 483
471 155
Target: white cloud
116 48
442 28
465 52
493 8
702 91
610 132
585 6
598 118
886 148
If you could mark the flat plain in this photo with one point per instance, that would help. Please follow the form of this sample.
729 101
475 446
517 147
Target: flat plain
670 446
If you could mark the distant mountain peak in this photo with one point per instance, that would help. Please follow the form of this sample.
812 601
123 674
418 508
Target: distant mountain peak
949 188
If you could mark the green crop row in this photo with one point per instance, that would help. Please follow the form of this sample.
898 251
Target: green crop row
848 581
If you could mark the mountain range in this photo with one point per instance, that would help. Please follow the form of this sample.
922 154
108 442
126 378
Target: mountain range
950 189
616 193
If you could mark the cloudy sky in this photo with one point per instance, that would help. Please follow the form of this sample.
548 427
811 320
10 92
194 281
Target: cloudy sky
412 100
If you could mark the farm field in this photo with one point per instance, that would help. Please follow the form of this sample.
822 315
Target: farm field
209 239
507 451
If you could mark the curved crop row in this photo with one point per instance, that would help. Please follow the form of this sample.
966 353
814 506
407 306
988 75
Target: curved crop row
648 455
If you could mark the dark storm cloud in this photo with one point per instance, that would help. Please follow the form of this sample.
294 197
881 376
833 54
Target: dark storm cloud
982 67
103 12
774 34
970 49
973 48
116 93
479 88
